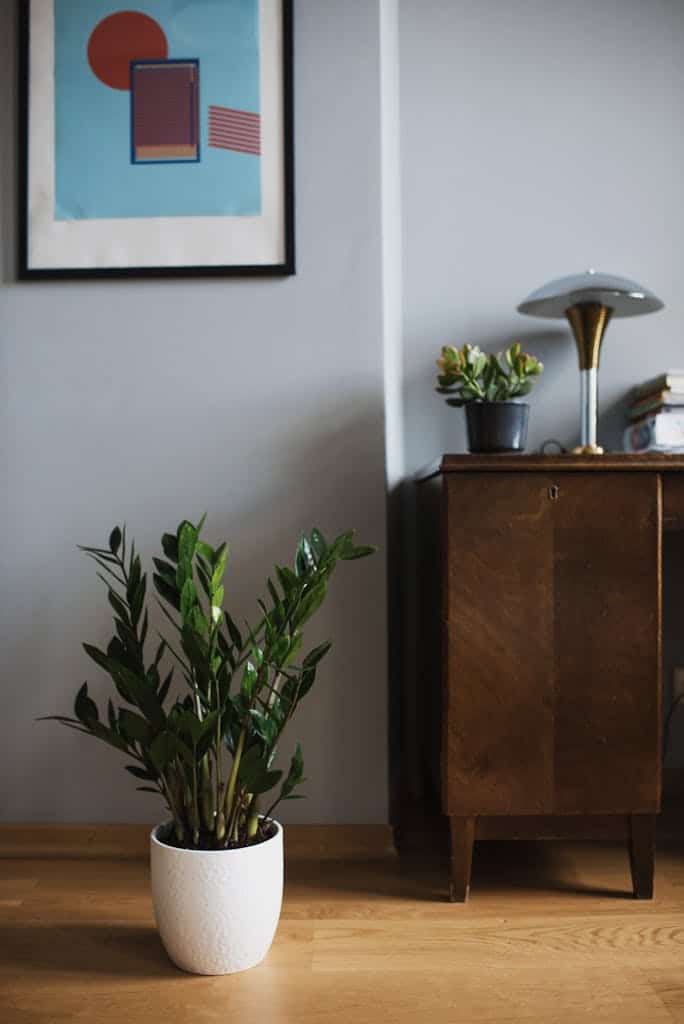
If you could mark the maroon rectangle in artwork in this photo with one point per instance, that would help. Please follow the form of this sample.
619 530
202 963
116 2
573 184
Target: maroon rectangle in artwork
165 111
239 130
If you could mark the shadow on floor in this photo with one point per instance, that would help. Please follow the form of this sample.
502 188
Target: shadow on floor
541 867
131 950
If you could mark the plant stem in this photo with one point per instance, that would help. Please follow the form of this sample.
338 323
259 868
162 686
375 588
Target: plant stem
219 778
195 815
178 824
206 801
252 818
232 779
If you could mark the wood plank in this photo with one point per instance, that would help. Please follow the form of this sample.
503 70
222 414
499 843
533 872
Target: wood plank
132 841
364 941
499 654
673 501
621 462
607 643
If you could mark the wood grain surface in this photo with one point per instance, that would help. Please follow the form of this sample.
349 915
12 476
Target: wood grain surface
606 647
611 462
498 714
100 841
553 937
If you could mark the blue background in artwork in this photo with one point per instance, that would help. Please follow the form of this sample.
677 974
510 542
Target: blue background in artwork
94 174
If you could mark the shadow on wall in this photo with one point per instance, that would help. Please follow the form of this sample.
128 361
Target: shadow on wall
327 478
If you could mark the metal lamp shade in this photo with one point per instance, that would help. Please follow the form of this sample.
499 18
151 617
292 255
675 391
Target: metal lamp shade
588 301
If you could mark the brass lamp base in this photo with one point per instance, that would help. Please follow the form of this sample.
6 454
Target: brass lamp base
588 449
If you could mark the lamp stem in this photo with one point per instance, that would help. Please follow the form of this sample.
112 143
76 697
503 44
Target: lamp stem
588 321
588 407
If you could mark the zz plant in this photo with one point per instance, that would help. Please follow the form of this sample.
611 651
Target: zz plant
210 752
469 375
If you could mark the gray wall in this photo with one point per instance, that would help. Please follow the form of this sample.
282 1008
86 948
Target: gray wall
260 402
540 138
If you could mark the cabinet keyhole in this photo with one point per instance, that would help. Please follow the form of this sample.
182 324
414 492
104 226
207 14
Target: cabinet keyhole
554 492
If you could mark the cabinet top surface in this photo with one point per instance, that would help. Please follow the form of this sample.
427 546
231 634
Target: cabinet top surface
611 462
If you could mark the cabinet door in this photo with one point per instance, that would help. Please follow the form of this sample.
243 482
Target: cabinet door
498 686
607 642
552 641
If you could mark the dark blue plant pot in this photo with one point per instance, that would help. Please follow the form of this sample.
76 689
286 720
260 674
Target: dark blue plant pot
497 426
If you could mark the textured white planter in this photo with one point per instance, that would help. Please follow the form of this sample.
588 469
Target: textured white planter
217 910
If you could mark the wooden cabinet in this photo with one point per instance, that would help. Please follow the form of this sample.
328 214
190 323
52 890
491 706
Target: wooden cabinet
548 571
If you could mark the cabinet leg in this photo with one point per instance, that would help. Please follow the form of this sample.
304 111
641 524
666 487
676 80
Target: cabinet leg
462 838
642 854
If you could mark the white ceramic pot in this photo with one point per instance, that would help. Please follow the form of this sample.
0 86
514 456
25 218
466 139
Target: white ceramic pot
217 910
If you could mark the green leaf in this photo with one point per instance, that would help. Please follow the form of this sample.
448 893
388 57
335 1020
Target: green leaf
191 726
98 656
264 726
188 600
85 708
198 621
119 607
310 603
318 544
275 596
203 578
249 678
206 551
304 559
363 551
220 558
138 600
134 727
141 773
294 647
255 774
234 632
294 778
163 750
115 540
162 693
187 539
288 579
315 655
307 679
295 775
111 715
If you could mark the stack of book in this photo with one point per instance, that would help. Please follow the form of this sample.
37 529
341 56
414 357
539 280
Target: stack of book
657 415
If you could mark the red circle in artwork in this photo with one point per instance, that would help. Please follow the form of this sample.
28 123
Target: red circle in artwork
120 38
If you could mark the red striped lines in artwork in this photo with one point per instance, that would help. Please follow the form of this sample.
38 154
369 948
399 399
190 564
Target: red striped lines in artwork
238 130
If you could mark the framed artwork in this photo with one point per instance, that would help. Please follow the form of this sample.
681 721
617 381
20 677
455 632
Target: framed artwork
156 141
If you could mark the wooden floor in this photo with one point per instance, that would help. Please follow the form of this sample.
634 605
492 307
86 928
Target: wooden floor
551 935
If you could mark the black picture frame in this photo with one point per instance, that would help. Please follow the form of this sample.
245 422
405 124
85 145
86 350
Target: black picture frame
28 272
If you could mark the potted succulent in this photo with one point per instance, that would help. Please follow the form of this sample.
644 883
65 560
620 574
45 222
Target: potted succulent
490 387
209 745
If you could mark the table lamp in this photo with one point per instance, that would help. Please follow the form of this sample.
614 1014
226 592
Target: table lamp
589 301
